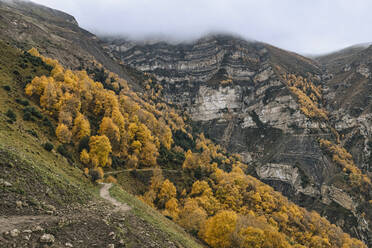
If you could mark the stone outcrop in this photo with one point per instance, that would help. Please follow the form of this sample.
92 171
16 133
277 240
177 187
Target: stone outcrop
231 89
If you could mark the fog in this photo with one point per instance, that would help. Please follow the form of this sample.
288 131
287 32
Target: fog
307 27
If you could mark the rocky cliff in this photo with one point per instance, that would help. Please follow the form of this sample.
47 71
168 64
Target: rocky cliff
348 92
234 91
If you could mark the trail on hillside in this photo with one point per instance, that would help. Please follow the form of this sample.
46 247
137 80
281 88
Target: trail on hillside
145 169
105 194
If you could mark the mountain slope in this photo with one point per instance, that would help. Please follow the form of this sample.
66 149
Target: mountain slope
348 93
253 94
44 192
54 33
239 95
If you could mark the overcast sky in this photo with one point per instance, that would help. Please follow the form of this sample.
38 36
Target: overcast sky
303 26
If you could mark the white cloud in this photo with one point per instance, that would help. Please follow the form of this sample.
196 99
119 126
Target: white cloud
315 26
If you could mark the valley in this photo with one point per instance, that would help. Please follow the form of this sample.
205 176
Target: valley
218 142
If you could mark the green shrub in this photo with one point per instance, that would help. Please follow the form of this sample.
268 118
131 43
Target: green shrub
28 117
61 149
84 144
22 102
94 175
23 65
33 133
6 87
33 111
49 124
48 146
10 114
183 140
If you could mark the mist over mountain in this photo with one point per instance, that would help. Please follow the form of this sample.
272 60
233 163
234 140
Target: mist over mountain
305 27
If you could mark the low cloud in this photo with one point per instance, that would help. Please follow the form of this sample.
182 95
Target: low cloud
308 27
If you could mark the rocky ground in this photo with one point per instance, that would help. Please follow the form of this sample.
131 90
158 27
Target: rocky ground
99 223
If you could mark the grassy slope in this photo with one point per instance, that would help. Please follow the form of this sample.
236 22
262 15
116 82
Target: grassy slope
40 178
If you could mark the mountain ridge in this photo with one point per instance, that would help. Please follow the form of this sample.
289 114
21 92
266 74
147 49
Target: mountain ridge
271 106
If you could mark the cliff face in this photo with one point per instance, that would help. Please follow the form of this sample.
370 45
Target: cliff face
348 91
233 91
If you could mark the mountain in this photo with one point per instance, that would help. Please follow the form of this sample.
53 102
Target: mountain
348 87
148 117
235 92
54 33
45 198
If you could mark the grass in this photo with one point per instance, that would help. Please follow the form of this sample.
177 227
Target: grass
34 169
175 232
46 176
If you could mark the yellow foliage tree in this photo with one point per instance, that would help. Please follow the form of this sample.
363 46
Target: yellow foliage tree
219 228
167 191
81 127
191 216
100 149
37 86
171 208
84 157
112 132
63 133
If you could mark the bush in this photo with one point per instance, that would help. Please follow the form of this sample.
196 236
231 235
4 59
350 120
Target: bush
84 144
10 114
23 65
183 140
111 179
33 133
22 102
61 149
33 111
6 87
96 174
48 146
28 117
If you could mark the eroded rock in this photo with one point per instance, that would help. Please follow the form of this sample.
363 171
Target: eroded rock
47 238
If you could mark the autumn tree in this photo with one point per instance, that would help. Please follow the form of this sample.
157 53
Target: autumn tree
192 216
112 132
172 208
84 157
99 150
81 127
63 133
218 229
167 192
37 86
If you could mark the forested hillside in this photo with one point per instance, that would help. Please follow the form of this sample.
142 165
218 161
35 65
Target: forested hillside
214 199
219 142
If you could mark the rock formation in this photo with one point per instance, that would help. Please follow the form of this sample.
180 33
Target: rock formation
233 90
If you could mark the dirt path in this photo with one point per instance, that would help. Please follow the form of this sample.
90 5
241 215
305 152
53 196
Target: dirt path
8 223
129 170
105 194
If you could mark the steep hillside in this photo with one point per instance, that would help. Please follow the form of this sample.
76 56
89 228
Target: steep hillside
55 34
348 89
43 192
214 199
136 116
266 104
335 60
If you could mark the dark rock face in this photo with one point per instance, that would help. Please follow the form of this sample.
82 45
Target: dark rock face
348 94
232 90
